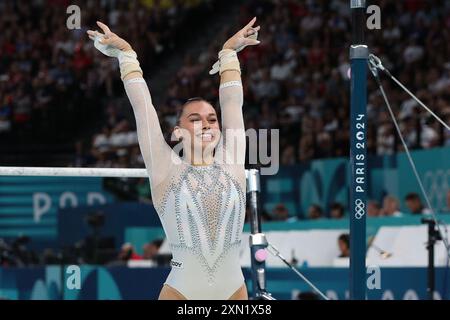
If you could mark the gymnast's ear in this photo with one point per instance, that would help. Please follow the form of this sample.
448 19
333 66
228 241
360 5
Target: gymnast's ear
177 135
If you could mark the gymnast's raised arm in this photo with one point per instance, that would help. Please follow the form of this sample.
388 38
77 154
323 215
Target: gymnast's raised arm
154 149
230 91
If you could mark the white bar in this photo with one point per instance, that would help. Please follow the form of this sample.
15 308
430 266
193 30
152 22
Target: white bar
73 172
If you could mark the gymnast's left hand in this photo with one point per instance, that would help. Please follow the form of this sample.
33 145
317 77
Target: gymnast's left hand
108 42
247 36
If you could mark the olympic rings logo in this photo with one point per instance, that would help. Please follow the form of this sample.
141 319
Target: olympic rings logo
359 209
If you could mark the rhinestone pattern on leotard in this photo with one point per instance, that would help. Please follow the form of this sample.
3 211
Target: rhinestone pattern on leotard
214 210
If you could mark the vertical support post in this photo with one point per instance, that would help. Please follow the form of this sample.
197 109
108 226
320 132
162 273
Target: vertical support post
430 271
358 152
258 241
433 236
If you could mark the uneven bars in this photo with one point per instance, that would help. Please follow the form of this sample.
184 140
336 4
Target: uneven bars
73 172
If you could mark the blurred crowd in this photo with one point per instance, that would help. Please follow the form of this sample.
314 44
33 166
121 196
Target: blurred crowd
297 79
52 79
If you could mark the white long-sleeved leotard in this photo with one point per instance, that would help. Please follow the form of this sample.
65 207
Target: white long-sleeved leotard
201 208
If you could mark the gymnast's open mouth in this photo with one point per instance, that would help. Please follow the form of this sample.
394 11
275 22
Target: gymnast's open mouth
206 136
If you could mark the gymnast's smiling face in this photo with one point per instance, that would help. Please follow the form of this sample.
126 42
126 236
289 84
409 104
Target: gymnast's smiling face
198 126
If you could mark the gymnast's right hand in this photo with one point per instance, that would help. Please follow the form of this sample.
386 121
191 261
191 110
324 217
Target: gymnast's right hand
112 45
108 42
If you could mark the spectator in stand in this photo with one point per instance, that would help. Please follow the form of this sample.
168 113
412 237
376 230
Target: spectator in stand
373 209
414 204
391 207
337 211
344 245
80 159
5 117
102 140
281 213
126 253
315 212
150 250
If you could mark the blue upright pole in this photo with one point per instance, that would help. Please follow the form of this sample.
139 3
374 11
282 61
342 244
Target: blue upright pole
358 155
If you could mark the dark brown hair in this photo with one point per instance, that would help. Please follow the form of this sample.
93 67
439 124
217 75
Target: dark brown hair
188 102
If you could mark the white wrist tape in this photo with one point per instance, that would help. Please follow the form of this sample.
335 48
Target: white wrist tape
227 56
128 63
216 66
228 61
127 57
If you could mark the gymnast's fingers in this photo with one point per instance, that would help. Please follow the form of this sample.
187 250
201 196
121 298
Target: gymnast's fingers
251 23
104 28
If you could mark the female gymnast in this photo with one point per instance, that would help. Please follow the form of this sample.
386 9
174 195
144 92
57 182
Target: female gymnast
199 196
